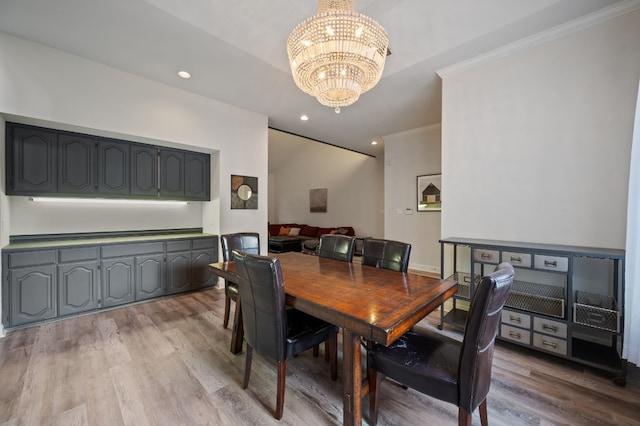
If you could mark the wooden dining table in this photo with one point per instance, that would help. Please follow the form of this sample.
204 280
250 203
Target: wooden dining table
365 302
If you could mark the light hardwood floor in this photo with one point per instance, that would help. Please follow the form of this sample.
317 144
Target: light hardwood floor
167 362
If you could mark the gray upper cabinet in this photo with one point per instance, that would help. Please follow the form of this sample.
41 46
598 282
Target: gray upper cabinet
197 176
113 167
144 171
31 160
172 176
77 164
56 163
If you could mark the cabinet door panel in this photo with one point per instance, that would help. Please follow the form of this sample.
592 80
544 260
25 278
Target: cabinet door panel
78 287
117 281
33 294
144 171
149 276
197 179
201 275
32 161
171 174
76 164
113 167
178 272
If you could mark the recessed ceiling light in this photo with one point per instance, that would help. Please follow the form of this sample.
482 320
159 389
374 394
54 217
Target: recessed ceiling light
304 117
184 74
374 142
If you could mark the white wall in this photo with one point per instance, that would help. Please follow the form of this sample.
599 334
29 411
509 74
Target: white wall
536 143
49 87
354 184
408 155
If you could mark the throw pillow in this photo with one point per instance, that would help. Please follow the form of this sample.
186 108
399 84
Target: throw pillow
343 231
284 230
294 231
333 232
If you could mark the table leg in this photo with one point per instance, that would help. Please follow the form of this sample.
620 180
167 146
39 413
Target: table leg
352 372
238 329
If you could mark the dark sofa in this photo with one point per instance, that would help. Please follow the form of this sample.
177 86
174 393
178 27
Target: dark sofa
300 237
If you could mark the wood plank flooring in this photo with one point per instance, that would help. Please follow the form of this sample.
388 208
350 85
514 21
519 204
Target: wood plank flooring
167 362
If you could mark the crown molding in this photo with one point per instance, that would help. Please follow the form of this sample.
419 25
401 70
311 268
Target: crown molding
618 9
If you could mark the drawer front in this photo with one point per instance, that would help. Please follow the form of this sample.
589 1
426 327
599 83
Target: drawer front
554 328
550 344
123 250
551 263
516 318
183 245
486 256
204 243
78 254
516 334
521 260
31 258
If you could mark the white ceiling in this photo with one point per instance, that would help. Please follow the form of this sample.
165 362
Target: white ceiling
235 51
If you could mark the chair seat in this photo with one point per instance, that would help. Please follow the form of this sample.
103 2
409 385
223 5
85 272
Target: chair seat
305 331
427 363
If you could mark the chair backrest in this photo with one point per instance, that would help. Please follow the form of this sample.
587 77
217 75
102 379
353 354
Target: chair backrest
386 254
261 287
474 371
338 247
248 242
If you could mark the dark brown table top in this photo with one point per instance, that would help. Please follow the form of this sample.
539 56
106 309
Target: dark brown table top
375 303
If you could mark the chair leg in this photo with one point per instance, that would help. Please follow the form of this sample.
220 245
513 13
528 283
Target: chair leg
227 308
331 348
464 417
316 351
247 367
282 373
375 379
484 421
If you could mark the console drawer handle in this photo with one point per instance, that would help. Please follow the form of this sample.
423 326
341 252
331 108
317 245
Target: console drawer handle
514 259
485 256
551 263
550 327
550 344
515 319
515 335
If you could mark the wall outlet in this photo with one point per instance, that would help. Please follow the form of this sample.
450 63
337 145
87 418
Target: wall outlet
408 210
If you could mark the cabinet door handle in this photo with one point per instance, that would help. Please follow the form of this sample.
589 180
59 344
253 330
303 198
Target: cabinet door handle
514 319
548 327
549 344
514 259
551 263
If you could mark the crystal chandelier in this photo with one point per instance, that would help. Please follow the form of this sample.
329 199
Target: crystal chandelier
337 54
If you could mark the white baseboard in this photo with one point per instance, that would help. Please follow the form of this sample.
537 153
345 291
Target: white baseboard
425 268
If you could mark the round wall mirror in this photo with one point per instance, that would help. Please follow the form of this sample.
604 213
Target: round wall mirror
244 192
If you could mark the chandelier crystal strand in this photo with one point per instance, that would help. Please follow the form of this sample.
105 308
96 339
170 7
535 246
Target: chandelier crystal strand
337 54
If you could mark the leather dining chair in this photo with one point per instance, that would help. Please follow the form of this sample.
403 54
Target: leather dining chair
246 241
442 367
338 247
272 329
386 254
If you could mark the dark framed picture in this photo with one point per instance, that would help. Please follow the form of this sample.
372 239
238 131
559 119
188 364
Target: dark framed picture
429 193
244 192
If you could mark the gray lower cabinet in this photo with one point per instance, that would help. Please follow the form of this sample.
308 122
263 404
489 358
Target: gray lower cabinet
78 289
178 272
33 294
117 281
149 276
66 280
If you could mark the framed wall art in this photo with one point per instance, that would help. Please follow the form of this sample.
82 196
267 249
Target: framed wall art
429 193
244 192
318 200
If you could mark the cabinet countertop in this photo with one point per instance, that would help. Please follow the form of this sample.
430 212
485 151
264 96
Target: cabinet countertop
36 245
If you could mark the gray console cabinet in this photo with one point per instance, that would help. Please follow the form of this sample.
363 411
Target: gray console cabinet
68 279
565 300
